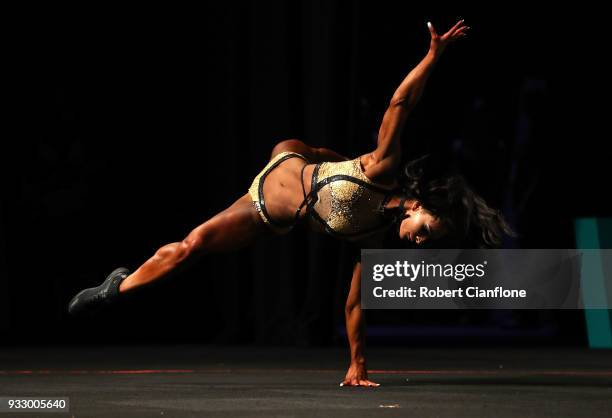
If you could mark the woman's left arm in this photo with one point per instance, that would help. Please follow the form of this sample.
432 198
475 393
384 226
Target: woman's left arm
408 94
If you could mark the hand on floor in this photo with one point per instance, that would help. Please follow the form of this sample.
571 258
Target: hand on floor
357 375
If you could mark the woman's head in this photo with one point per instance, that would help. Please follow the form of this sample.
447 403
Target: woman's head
442 210
418 225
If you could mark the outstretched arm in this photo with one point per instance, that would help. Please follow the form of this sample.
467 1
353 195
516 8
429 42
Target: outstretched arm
357 374
407 95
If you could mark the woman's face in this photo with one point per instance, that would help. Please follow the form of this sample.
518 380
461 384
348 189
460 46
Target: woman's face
419 225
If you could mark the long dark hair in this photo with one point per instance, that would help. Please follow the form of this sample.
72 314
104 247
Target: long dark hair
470 222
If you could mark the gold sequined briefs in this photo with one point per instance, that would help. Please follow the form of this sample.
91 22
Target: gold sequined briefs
257 196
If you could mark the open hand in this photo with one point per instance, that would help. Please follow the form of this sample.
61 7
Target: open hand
439 43
357 375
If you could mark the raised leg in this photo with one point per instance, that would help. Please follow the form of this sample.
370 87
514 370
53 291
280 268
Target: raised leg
229 230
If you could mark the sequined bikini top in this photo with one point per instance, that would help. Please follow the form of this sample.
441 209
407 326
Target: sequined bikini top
346 202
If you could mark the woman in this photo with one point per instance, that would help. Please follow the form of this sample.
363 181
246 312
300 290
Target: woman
351 199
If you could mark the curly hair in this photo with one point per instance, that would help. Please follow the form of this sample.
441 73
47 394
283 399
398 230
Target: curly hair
469 220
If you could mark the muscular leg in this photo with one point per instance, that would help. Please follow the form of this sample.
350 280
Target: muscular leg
229 230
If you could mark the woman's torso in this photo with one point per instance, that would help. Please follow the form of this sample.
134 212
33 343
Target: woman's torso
346 203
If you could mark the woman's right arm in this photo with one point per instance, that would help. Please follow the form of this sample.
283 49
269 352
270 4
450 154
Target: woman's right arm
357 374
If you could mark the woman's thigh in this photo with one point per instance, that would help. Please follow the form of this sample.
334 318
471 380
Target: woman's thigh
231 229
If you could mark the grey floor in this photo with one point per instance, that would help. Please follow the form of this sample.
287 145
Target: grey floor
211 381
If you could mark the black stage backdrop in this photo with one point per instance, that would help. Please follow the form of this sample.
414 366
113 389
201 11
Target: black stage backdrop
135 125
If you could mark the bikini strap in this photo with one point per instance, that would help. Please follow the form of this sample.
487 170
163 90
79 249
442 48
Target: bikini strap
302 180
306 196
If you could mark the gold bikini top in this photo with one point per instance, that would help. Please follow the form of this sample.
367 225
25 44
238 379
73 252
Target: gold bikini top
347 203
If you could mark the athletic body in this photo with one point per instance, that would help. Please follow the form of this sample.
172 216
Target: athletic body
287 195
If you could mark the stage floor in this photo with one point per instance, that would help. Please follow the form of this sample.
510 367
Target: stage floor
211 381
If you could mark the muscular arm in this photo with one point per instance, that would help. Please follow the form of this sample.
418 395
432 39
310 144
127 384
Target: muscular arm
403 101
354 318
357 374
407 95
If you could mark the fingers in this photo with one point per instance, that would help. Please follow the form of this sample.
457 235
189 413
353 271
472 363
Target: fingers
459 30
457 34
460 33
432 31
361 382
457 25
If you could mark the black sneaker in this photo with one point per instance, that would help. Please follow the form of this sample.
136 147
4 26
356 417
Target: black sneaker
92 299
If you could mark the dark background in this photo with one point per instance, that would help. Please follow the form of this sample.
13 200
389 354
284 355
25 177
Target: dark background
129 127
